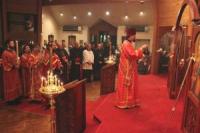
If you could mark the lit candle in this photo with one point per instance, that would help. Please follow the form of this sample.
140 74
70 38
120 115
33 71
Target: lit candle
46 83
17 48
58 82
49 80
42 82
61 83
55 79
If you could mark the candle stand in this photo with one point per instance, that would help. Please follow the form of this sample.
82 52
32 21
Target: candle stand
50 88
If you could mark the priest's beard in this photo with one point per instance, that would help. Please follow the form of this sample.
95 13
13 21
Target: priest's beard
11 47
133 44
28 52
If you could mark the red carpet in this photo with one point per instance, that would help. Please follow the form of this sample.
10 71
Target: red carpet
154 115
91 106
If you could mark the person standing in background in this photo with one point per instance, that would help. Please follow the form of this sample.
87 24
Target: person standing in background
55 63
76 55
63 56
36 74
98 61
65 47
27 61
88 61
11 79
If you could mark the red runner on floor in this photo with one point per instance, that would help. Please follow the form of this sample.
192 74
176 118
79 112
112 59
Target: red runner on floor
154 115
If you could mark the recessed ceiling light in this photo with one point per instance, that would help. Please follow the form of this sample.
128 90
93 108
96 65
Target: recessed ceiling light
141 1
141 13
61 14
89 13
74 17
126 17
107 13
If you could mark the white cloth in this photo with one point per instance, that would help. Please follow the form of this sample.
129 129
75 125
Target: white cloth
67 49
88 59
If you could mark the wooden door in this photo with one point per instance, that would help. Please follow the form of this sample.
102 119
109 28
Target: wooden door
191 119
178 61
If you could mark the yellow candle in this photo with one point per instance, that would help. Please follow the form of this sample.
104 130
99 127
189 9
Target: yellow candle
58 82
42 82
17 49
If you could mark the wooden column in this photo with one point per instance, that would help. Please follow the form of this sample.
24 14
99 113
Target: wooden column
154 62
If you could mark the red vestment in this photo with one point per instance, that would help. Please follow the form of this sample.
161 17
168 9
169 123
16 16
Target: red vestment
55 63
11 80
36 76
127 86
45 65
27 61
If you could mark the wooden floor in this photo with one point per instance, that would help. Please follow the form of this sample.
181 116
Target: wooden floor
13 121
16 121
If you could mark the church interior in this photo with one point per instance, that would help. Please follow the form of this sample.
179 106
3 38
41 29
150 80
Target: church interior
99 66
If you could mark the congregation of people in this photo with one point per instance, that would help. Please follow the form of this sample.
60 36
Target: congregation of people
22 73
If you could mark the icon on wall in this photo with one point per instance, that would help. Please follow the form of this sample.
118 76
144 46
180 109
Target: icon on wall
29 23
50 38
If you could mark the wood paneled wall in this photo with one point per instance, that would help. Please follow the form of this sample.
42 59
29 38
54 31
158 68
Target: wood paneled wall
168 11
166 15
33 7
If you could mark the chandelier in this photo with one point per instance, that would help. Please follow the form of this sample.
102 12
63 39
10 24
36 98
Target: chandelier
51 85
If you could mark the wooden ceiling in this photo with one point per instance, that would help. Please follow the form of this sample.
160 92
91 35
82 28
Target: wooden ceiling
61 2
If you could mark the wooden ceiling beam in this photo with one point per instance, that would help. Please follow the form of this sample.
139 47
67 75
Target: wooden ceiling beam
61 2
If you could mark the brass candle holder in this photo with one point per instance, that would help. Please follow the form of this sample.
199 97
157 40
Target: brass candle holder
50 88
110 60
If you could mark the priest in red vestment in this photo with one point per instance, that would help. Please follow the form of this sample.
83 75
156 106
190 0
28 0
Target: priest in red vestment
11 79
27 60
36 74
54 63
127 86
